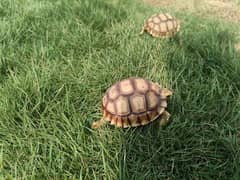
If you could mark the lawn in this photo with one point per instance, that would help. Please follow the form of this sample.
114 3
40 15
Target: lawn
57 58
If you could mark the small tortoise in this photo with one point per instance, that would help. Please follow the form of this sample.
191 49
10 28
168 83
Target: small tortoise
134 102
161 25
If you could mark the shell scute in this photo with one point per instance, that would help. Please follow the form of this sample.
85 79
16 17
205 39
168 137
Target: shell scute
122 106
156 88
113 92
144 119
156 20
163 27
141 85
170 25
134 120
152 100
137 102
163 17
110 107
126 86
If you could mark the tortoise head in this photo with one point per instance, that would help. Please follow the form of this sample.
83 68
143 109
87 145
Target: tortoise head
166 92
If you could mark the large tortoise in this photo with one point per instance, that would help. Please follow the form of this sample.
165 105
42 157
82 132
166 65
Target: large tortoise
133 102
161 25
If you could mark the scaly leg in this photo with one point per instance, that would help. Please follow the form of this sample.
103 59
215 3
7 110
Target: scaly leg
164 118
99 123
142 31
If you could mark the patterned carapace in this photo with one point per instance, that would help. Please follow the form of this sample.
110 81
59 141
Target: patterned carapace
133 102
161 25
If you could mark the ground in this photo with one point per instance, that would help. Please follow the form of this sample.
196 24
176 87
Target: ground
224 9
57 59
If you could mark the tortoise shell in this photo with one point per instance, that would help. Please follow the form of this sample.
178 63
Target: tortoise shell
133 102
161 25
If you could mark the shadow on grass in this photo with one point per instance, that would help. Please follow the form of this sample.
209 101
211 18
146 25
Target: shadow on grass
201 141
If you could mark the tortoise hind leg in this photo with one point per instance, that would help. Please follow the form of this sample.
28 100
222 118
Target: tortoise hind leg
99 123
165 118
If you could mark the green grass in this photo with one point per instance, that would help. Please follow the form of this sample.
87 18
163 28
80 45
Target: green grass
57 58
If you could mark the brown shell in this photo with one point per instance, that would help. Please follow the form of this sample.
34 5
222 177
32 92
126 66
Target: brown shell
161 25
133 102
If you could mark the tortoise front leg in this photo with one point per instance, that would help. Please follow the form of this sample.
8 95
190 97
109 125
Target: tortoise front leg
99 123
143 30
165 118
